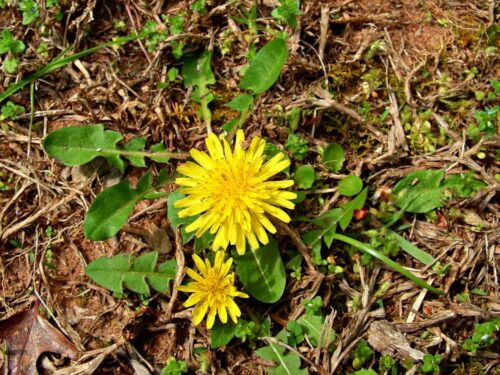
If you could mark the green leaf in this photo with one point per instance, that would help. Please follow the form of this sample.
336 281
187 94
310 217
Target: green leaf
228 126
333 157
173 212
11 110
221 334
413 250
463 185
287 12
115 272
136 144
287 363
349 207
6 41
350 185
265 67
241 103
112 207
304 177
160 147
10 65
262 272
297 146
364 371
30 11
196 70
200 243
312 326
420 192
77 145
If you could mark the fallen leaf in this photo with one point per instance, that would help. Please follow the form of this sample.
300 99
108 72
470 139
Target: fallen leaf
28 335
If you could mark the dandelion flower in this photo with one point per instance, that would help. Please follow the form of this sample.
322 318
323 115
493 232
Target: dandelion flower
213 290
231 192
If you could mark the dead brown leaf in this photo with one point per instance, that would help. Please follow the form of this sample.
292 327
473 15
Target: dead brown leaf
28 335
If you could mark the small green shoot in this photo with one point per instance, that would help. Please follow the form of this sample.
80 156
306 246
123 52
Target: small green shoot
8 44
153 34
297 146
175 367
361 354
431 363
29 9
486 123
197 73
485 334
287 12
11 111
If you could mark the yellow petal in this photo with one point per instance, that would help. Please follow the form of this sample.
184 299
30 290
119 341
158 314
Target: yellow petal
190 288
233 310
240 242
266 223
222 314
193 274
214 147
194 299
203 159
199 264
211 317
193 170
199 312
276 212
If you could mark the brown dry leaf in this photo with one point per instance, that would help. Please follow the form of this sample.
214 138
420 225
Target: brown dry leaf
27 336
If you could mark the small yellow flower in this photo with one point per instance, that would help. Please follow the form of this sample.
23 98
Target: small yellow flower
213 290
232 193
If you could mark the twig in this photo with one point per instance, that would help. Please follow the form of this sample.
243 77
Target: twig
301 246
181 262
129 13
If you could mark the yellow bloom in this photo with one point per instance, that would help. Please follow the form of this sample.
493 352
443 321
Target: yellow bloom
231 192
213 290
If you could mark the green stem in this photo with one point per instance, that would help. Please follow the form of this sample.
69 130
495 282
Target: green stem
147 154
395 266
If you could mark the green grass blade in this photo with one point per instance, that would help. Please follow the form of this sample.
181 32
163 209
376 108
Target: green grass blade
59 62
413 250
389 262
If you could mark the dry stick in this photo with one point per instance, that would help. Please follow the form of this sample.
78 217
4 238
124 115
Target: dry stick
407 88
325 328
323 29
320 61
48 208
326 101
301 246
181 261
129 13
32 111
